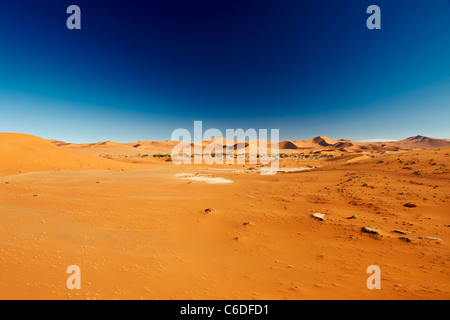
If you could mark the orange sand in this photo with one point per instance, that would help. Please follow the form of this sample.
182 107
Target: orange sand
139 231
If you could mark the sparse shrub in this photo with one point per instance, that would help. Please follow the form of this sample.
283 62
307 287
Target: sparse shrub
158 155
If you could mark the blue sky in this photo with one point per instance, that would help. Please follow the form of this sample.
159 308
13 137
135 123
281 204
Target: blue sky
137 70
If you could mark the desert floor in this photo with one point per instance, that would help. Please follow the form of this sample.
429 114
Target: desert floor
140 230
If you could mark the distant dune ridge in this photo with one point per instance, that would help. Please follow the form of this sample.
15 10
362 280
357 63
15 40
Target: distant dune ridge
322 143
22 152
317 143
425 142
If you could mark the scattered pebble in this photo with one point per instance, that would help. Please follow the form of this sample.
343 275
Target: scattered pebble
370 230
430 238
319 216
402 232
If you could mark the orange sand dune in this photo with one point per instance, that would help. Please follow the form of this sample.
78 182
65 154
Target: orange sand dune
320 141
287 145
22 152
422 142
58 142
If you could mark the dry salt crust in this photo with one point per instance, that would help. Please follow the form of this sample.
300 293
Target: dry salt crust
203 178
233 170
273 170
293 169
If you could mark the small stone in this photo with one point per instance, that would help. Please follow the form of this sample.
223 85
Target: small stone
409 205
431 238
369 230
319 216
402 232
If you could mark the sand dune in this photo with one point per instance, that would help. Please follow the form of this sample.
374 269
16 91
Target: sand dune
423 142
322 141
342 144
58 142
287 145
22 152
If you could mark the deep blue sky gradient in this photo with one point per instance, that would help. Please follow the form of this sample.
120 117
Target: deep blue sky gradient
140 69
